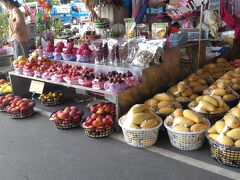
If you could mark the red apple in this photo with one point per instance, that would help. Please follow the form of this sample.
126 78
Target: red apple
94 116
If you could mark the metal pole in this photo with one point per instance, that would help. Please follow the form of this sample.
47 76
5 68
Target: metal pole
200 36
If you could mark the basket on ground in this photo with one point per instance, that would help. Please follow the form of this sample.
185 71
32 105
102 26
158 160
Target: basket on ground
22 113
140 138
225 155
98 132
186 140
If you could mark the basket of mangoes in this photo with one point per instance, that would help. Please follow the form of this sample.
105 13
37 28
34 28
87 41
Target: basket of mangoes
224 139
140 126
212 108
163 104
225 92
51 98
186 129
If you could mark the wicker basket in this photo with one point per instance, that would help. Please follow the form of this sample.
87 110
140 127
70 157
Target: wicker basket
63 124
140 138
233 103
52 103
98 132
22 114
229 156
186 140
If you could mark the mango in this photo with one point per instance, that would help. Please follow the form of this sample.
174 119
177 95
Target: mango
225 140
234 134
163 97
180 120
211 100
178 112
150 123
138 118
237 143
213 136
218 92
212 130
166 111
207 106
229 97
132 126
163 104
231 121
199 127
180 128
221 127
192 115
152 102
138 108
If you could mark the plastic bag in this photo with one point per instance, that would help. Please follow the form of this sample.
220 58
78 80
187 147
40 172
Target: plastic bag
159 30
130 26
147 55
133 45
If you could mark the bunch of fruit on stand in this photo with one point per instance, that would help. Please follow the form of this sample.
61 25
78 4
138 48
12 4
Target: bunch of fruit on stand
51 98
5 87
42 67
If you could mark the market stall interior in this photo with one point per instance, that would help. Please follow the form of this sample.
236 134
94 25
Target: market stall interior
164 66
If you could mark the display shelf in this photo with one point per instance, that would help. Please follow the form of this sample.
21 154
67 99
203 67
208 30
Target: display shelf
100 92
123 67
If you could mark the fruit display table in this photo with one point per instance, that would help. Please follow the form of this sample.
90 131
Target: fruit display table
153 79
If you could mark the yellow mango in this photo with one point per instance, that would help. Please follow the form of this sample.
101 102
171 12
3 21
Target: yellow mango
178 112
150 123
211 99
192 115
207 106
199 127
212 130
221 127
234 134
231 121
138 118
237 143
180 120
218 92
225 140
166 111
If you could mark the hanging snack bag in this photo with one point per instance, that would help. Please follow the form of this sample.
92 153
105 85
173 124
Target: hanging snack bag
130 26
159 30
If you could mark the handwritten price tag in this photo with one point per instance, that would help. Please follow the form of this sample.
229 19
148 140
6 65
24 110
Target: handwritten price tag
36 87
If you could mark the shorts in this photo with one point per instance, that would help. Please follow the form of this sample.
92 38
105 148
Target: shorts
20 49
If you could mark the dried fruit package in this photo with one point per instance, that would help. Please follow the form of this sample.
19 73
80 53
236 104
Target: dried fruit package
130 26
147 55
159 30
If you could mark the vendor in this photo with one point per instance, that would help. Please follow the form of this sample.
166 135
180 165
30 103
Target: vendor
17 28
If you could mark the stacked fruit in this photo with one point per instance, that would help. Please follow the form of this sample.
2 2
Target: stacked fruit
19 63
20 107
220 89
163 103
100 123
227 130
209 105
196 83
141 116
51 98
5 101
67 118
69 54
182 92
58 51
84 53
5 87
186 121
48 51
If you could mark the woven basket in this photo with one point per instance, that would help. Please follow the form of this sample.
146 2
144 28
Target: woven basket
229 156
63 124
140 138
22 114
186 140
98 132
52 103
233 103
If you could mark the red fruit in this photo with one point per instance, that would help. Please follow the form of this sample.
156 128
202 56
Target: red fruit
94 116
90 121
73 113
100 118
10 98
70 45
5 101
87 52
79 52
63 116
74 108
67 110
97 123
107 121
85 124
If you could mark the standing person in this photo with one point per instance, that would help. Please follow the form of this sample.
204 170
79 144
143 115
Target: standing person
17 28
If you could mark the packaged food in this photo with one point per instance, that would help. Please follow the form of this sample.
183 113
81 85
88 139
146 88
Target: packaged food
147 55
133 46
130 25
143 30
159 30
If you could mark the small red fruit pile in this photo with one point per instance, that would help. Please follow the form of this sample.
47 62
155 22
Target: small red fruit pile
18 104
103 108
5 101
98 121
67 118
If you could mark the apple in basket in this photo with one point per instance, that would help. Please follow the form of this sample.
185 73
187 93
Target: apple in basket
98 121
67 114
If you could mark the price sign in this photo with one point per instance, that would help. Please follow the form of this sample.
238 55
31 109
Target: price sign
36 87
111 97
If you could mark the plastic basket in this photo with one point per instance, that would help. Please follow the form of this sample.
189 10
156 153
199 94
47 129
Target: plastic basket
186 141
98 132
22 114
229 156
140 138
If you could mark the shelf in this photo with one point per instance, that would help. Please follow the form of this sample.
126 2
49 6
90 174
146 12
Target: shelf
105 68
108 95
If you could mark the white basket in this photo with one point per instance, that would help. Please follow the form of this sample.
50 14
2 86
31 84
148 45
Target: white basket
186 140
140 138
